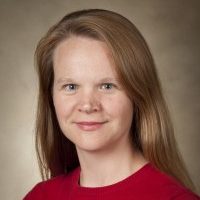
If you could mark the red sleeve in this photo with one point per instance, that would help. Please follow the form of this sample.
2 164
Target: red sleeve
187 196
36 193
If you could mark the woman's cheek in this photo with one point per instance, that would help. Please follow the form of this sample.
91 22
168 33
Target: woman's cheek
61 106
65 107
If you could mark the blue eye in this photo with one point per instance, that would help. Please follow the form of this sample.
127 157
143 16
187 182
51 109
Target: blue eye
107 86
70 87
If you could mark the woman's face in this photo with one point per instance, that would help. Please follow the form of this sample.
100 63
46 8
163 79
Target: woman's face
92 108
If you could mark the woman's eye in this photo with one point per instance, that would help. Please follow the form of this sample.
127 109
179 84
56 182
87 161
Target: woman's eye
70 87
107 86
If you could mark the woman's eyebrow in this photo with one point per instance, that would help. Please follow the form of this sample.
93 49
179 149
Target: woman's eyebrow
109 79
70 80
61 80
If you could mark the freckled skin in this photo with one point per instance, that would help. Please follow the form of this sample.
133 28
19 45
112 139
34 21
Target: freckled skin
86 65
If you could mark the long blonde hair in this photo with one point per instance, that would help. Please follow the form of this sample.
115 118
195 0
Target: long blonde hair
152 130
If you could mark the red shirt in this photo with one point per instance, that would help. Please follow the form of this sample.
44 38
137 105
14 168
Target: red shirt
147 183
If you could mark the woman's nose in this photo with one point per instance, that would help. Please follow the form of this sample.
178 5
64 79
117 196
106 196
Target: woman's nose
89 103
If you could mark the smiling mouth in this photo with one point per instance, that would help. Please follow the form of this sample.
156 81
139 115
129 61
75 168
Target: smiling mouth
90 126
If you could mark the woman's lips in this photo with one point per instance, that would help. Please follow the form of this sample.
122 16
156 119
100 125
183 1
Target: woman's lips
90 126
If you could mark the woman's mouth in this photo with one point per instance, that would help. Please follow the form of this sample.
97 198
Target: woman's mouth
89 126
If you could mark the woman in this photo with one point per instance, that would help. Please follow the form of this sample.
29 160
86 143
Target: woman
103 129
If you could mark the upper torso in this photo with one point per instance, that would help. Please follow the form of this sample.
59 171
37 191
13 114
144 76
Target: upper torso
146 184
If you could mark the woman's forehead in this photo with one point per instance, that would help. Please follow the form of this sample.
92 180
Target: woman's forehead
84 57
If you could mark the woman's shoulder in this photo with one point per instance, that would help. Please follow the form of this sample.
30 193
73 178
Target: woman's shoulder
163 185
52 188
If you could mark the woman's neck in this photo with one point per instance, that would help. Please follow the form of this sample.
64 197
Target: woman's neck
105 168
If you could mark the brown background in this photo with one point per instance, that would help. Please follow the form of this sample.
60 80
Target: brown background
171 28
